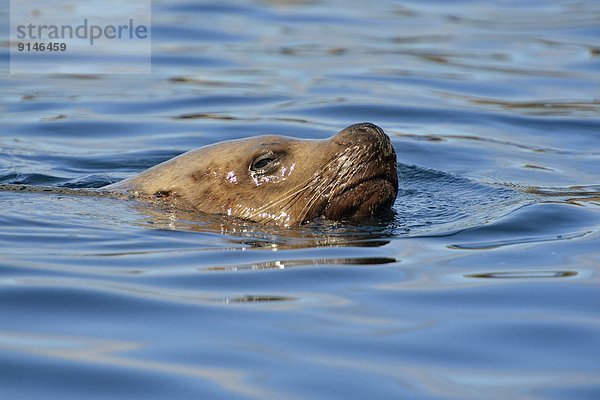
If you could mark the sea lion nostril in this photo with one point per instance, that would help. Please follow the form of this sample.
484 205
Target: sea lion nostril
360 131
366 134
366 126
374 132
374 127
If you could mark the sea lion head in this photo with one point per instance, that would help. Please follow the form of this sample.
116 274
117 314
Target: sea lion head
282 180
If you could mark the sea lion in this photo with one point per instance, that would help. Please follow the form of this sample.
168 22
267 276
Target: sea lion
276 179
285 180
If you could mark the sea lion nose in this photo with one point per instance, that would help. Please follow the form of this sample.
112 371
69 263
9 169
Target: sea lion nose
363 133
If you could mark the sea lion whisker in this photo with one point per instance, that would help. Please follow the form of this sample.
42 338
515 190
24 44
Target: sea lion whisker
305 184
286 195
311 202
291 197
274 203
300 188
317 193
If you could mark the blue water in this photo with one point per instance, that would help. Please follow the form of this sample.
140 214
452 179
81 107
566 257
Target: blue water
484 284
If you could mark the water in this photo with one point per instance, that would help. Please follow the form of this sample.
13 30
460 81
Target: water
483 285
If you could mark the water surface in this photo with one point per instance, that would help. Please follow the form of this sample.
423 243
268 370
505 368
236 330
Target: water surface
483 285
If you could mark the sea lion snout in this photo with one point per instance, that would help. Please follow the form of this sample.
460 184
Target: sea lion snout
365 132
367 184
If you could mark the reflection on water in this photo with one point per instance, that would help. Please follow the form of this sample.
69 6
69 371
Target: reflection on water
139 291
282 264
524 275
517 240
109 354
483 284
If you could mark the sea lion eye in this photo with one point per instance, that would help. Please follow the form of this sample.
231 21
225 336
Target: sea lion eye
262 162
